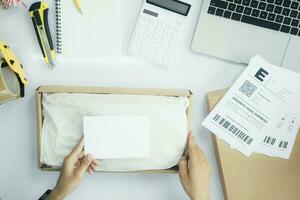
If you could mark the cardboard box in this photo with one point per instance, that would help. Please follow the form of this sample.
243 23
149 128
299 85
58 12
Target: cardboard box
104 90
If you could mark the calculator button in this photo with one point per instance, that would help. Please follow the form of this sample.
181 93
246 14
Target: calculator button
152 47
159 31
151 55
167 33
145 45
147 36
159 24
142 53
172 45
151 19
150 28
156 39
164 41
174 35
178 23
139 33
143 18
141 24
168 27
159 58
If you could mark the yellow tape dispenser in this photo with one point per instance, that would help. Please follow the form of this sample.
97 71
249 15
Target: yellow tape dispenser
12 75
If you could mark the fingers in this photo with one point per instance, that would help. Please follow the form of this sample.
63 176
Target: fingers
186 153
90 171
195 153
71 160
191 140
81 155
77 149
84 165
192 146
96 162
77 164
93 167
183 169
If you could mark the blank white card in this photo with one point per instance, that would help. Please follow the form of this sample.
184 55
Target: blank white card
113 137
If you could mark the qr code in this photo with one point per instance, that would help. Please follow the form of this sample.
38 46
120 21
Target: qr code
248 88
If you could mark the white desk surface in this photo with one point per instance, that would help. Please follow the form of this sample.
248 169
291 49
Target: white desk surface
19 176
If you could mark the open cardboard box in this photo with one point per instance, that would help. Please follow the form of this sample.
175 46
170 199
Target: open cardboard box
102 90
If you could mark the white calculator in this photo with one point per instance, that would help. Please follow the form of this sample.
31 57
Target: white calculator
157 30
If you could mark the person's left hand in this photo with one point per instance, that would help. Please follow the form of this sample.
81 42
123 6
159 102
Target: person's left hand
74 167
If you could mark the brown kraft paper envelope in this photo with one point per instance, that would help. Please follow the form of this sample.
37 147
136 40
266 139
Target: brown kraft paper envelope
257 177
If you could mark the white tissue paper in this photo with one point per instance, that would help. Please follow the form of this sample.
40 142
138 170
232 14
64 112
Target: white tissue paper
63 126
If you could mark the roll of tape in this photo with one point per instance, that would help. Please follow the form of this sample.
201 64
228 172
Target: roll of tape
10 85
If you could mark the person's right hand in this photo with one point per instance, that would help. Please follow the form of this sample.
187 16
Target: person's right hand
74 167
195 171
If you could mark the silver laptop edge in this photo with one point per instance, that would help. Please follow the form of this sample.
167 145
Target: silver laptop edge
238 42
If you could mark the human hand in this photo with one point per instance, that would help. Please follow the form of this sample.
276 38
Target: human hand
10 3
74 167
195 171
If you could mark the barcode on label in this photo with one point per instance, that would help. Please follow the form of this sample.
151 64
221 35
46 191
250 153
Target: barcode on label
248 88
283 144
269 140
233 130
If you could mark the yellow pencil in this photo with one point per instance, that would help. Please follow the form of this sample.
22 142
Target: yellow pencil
77 4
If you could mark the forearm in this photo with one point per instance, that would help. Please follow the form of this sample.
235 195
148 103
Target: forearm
55 195
201 195
204 197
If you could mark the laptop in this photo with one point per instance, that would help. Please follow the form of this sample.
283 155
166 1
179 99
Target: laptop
237 30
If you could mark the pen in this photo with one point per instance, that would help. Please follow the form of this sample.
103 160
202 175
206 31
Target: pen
77 4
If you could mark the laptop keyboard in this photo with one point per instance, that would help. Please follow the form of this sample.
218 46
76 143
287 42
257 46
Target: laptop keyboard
278 15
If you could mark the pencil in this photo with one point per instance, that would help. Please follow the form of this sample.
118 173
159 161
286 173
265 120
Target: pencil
77 4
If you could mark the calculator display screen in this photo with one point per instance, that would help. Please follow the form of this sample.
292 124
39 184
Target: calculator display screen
172 5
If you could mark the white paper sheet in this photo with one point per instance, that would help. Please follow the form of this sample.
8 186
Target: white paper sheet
95 34
260 112
113 137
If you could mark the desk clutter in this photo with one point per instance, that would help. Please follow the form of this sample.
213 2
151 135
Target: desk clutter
98 33
258 116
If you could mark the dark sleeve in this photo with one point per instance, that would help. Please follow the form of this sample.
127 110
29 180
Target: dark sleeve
45 195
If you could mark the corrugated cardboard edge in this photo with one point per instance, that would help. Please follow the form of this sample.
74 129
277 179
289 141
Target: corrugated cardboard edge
106 90
39 120
216 96
112 90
